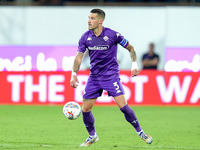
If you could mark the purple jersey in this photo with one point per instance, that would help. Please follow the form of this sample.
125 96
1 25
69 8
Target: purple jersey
103 52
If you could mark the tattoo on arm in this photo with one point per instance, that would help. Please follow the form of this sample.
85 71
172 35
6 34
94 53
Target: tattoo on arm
77 61
132 52
133 55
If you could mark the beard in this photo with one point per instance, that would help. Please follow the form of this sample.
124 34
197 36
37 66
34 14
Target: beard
92 27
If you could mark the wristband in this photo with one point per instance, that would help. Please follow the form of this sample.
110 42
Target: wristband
73 73
134 66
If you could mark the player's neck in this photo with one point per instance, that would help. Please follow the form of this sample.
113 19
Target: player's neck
98 31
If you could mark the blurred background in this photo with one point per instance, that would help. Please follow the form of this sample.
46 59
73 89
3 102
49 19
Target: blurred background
42 36
166 23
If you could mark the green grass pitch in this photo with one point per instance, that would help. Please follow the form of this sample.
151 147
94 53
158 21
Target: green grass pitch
46 128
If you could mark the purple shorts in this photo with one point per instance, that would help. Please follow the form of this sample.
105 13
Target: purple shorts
94 88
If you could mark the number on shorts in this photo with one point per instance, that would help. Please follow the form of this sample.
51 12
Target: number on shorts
117 86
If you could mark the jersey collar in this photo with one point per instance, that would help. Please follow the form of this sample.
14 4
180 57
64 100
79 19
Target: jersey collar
102 33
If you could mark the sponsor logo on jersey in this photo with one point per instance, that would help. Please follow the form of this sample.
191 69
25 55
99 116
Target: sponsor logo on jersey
99 47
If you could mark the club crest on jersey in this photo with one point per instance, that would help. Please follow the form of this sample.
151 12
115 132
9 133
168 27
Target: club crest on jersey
105 38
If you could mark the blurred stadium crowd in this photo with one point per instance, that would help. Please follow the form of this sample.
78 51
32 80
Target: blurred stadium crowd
100 2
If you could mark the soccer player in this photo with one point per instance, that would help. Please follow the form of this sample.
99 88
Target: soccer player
104 73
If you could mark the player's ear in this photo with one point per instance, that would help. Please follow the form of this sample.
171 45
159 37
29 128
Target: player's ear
101 21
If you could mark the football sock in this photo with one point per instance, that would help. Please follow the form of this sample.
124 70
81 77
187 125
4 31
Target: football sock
88 120
140 132
131 117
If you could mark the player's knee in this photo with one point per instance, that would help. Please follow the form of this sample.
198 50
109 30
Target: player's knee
88 104
86 108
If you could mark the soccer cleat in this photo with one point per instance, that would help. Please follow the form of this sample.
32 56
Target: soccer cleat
147 138
90 140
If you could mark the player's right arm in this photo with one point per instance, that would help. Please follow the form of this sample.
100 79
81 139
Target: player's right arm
76 66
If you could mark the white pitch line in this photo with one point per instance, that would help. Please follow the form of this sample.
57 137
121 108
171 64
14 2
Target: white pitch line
26 145
5 144
167 147
47 145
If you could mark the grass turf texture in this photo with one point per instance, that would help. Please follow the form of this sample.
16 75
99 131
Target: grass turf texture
46 128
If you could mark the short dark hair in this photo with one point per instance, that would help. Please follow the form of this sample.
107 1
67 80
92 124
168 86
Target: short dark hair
151 44
100 13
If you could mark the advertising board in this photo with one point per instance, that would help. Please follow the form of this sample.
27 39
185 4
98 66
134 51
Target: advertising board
37 58
53 88
182 59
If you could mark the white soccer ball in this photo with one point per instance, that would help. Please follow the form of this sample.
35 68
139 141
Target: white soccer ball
72 110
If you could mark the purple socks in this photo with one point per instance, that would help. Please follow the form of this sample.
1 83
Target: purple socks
131 117
88 120
129 114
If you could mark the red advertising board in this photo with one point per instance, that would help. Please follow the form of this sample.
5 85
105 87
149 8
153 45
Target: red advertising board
148 88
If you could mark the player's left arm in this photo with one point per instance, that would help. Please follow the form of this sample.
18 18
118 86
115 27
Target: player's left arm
134 69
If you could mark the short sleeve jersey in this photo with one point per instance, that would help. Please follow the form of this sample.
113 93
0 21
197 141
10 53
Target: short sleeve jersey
102 52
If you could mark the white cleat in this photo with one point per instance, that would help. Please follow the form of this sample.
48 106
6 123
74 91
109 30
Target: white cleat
147 138
90 140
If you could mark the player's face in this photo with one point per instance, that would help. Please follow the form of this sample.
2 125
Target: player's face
93 21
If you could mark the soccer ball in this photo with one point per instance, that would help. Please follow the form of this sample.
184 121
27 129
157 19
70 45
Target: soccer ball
72 110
